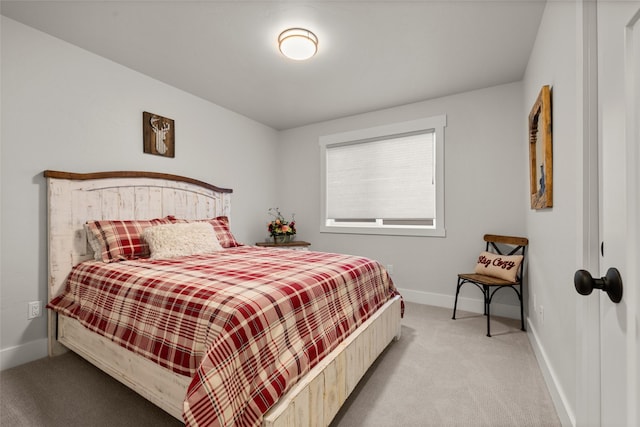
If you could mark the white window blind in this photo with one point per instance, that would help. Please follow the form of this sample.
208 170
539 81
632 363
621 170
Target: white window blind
391 178
387 179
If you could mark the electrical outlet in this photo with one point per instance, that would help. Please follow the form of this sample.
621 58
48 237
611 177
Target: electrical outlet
541 314
35 309
390 268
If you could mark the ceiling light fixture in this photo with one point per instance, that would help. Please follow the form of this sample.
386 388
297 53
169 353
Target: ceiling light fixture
298 44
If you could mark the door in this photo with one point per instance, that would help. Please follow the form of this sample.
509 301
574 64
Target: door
618 44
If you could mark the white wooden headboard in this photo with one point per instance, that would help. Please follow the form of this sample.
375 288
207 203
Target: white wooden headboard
75 198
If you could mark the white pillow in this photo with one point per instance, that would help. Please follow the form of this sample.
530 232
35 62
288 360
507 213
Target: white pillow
500 266
181 239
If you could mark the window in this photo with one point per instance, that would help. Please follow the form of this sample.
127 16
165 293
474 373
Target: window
385 180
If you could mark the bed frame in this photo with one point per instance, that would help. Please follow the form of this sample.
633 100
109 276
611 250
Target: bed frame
76 198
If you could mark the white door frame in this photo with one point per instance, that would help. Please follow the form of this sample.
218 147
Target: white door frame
588 387
632 135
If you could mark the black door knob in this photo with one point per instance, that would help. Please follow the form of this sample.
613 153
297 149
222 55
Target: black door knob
611 283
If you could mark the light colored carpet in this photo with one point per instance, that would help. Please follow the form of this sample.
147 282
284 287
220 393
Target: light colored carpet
446 372
442 372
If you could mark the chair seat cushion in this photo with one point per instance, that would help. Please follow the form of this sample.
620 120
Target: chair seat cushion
486 280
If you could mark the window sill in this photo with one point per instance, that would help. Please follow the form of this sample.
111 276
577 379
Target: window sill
386 231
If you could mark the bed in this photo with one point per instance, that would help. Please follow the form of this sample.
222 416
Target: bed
74 199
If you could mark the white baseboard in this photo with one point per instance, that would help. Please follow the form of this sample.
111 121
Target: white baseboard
465 304
560 401
24 353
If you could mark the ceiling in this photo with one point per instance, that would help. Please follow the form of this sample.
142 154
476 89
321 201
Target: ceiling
372 54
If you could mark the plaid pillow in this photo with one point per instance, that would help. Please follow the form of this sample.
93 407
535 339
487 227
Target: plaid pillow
122 239
221 227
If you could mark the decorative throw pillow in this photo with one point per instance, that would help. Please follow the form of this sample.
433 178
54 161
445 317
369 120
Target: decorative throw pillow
181 239
501 266
221 227
119 240
94 243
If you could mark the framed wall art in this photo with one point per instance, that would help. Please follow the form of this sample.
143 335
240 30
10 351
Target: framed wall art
158 135
541 151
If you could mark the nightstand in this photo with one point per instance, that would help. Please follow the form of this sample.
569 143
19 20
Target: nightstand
296 245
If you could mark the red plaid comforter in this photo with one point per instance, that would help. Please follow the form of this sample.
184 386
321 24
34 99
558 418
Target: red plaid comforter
246 323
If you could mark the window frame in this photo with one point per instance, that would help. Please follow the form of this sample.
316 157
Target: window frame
435 124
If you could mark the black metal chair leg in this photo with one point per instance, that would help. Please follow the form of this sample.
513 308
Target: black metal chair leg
485 291
487 304
455 304
522 328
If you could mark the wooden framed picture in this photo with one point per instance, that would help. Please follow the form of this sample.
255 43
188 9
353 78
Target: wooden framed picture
541 151
158 135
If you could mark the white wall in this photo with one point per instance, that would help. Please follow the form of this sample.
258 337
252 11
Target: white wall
485 192
555 234
66 109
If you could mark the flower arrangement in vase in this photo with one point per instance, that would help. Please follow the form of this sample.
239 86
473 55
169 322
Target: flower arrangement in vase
281 230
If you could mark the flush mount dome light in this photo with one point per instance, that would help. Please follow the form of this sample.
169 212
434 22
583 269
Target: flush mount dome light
298 44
